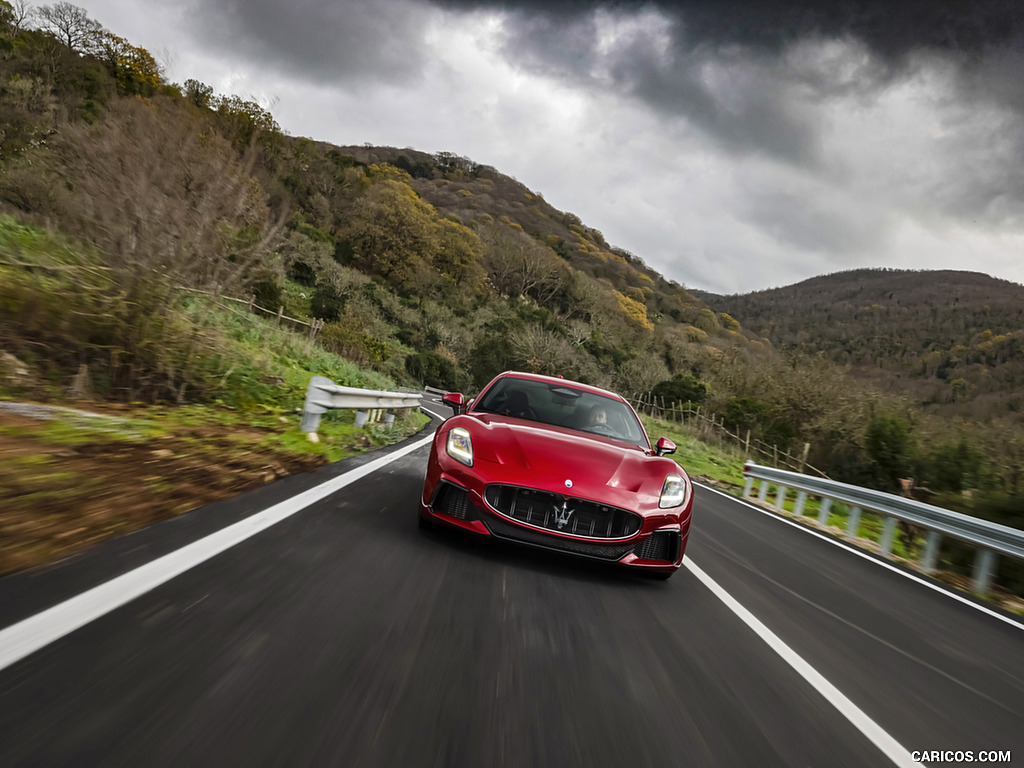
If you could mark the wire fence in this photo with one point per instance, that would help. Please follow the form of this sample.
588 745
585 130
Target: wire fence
313 328
709 424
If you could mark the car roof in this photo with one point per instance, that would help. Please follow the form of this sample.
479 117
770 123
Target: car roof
559 381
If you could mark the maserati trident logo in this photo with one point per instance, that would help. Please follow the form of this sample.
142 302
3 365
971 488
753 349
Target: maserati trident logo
562 515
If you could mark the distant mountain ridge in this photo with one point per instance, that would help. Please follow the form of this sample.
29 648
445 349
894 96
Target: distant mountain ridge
947 338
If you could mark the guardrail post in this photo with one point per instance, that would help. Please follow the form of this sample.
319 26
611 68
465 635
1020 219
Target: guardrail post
780 498
931 552
887 534
991 540
984 567
854 523
748 486
369 404
826 504
801 500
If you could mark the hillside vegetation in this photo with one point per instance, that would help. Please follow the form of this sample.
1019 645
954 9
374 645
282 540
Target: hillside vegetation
426 268
953 341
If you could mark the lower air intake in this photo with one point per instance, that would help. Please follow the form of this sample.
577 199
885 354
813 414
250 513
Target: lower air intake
503 530
660 545
452 500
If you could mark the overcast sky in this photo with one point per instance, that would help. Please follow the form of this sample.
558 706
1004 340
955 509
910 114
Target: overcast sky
733 146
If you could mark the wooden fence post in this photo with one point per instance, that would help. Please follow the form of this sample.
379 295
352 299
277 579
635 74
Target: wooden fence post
252 303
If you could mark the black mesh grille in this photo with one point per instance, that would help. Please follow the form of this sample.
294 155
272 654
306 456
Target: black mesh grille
452 500
503 530
660 545
579 517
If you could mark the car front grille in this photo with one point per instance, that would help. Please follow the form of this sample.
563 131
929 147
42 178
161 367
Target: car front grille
452 500
660 545
502 530
578 517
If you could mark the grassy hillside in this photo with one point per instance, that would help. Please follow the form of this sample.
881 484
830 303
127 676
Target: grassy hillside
110 464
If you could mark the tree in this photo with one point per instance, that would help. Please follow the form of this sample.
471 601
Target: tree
22 13
327 302
890 445
245 120
459 251
640 373
520 266
134 68
198 93
69 24
393 234
634 310
166 201
435 370
681 388
7 29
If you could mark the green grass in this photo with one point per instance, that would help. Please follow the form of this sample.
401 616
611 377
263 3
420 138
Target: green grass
71 428
721 463
36 479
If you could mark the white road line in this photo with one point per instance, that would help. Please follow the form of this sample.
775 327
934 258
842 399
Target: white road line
431 413
878 736
865 555
19 640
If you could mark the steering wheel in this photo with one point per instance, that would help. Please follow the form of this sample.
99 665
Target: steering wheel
601 429
520 413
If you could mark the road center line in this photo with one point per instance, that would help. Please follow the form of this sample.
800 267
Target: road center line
29 635
860 720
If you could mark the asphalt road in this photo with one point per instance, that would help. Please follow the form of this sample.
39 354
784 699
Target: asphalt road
345 636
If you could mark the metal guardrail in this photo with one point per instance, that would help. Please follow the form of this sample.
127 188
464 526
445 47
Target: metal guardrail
435 390
323 395
991 539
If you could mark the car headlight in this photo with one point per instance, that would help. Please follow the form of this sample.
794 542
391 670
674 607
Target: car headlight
673 492
460 447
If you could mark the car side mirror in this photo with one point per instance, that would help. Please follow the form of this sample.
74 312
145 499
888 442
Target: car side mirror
664 447
454 400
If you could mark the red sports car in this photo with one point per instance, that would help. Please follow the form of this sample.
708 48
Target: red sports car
560 465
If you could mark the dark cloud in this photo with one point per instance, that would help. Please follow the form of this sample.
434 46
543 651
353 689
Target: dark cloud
891 28
760 104
757 76
323 40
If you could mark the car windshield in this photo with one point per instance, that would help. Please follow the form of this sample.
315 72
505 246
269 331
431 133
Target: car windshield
563 406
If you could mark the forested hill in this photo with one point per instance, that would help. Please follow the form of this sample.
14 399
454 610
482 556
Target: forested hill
951 339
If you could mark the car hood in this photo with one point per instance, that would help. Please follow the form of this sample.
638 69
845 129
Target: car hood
545 457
